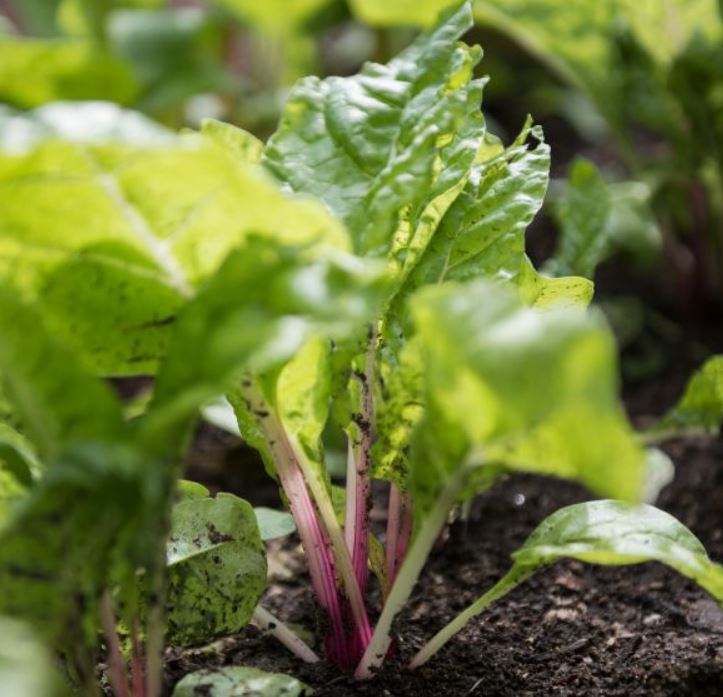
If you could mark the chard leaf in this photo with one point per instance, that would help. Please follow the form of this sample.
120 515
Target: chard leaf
56 401
17 455
597 219
60 69
700 409
25 667
273 524
373 146
238 681
515 387
275 16
610 533
141 227
216 568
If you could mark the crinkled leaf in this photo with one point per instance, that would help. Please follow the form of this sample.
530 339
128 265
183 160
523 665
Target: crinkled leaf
240 681
597 219
56 401
26 668
371 146
273 524
700 409
115 239
37 71
519 388
216 568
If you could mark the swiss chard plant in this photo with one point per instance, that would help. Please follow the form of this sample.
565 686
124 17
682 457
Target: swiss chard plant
363 270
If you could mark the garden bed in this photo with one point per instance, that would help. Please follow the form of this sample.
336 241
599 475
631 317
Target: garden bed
571 630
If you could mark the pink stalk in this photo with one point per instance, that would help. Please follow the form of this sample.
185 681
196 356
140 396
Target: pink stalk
116 664
313 539
139 688
358 483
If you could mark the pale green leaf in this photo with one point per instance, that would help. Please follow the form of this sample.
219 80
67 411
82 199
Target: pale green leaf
273 524
700 409
241 144
275 16
240 681
287 296
37 71
216 568
518 388
142 228
26 668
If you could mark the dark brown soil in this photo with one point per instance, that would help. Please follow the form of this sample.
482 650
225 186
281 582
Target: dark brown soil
571 630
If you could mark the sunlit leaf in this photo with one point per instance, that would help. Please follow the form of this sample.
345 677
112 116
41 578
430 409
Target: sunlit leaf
234 681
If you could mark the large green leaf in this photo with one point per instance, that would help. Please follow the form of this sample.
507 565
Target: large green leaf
141 227
519 388
611 533
373 146
597 219
700 409
37 71
25 667
240 681
216 568
56 401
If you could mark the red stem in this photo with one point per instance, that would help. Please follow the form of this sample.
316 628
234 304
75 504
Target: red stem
399 530
139 688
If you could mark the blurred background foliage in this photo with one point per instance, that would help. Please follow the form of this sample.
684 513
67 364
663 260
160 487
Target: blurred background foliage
629 93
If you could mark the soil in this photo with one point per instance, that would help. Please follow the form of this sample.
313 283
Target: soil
570 630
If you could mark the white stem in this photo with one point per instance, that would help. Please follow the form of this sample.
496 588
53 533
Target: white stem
270 624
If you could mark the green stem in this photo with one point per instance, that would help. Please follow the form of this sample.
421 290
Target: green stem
512 578
267 622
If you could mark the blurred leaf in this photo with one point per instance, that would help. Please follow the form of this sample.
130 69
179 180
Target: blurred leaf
513 387
175 53
597 220
235 681
241 144
134 225
17 455
700 409
79 122
216 568
26 668
37 71
420 13
274 524
52 396
274 16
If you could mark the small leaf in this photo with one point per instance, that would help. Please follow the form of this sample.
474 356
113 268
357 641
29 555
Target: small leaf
273 524
240 681
700 409
609 533
216 568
